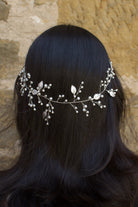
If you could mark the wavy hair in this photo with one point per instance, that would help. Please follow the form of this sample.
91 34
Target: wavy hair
77 160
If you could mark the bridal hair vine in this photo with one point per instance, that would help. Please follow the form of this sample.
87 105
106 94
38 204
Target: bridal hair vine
40 93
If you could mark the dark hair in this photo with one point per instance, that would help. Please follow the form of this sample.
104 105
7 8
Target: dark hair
76 160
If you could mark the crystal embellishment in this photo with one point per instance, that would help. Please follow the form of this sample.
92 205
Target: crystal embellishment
40 93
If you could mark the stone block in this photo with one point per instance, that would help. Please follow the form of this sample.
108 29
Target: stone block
40 2
8 51
4 10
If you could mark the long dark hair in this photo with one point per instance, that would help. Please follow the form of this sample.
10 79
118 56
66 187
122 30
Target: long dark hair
76 160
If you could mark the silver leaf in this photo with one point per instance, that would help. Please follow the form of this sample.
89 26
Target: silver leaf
73 89
112 93
40 85
44 114
96 96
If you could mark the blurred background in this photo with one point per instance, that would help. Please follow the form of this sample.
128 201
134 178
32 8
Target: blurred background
114 22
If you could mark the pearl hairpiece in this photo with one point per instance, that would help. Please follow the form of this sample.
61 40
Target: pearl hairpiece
41 88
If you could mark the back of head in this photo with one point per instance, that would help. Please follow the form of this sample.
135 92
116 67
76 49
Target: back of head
65 56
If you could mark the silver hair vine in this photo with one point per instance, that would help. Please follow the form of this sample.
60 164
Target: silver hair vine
40 92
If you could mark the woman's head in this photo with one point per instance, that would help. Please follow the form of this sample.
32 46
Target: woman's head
65 55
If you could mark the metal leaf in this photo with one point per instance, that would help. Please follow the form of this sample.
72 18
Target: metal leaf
96 96
112 93
44 114
40 85
73 89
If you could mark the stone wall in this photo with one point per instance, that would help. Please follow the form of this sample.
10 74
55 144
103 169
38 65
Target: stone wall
114 22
